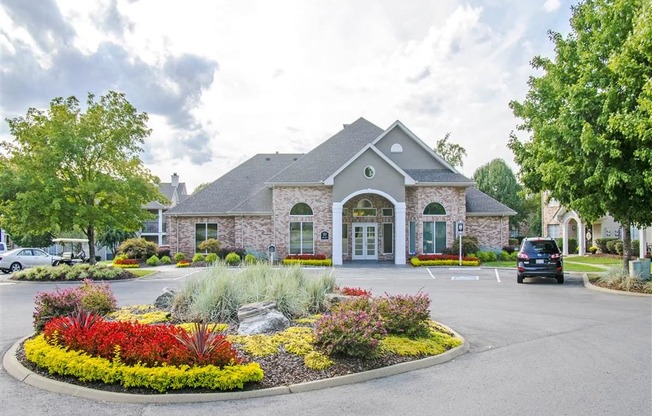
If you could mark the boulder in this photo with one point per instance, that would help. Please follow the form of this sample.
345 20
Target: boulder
260 318
332 299
164 301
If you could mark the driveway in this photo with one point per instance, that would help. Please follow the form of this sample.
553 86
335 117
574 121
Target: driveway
536 349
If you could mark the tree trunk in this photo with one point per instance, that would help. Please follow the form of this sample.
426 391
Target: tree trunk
627 245
91 244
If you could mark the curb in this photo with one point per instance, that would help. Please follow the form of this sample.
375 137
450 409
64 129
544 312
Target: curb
14 368
589 285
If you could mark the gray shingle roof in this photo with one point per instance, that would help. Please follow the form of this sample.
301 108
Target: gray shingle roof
241 190
167 190
328 157
438 175
479 203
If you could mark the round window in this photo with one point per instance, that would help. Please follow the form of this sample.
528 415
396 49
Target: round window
369 172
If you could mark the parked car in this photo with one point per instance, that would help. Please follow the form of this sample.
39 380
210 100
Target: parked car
539 256
22 258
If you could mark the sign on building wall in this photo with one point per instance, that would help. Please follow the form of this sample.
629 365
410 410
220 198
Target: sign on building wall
324 235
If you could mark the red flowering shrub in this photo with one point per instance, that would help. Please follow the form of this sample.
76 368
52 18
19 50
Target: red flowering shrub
355 291
132 342
120 262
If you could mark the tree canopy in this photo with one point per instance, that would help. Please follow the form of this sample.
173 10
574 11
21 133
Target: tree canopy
497 180
69 169
590 115
452 153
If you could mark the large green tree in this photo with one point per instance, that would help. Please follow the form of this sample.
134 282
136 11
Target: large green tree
77 170
589 115
452 153
497 180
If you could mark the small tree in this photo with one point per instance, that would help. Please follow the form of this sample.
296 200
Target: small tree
69 169
210 246
452 153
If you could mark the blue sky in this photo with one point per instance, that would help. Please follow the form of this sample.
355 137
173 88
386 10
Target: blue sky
224 80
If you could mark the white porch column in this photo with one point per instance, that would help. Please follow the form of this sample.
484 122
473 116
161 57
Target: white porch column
564 237
581 238
642 242
160 227
337 233
399 226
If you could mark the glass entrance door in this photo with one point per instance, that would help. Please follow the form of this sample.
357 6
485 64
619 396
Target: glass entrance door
365 242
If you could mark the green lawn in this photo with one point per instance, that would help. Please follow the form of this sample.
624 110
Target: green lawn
579 267
593 260
568 266
142 272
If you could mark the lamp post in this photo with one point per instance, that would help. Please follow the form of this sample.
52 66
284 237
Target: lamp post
460 231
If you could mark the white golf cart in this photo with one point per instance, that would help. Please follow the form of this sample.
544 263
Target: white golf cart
73 250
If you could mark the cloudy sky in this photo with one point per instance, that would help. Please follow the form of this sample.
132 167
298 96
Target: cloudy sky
224 80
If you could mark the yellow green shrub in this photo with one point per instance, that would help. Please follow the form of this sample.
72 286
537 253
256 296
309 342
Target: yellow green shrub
60 361
416 262
145 314
311 262
437 343
317 361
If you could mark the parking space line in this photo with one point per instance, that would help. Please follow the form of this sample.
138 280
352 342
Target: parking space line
430 273
464 268
497 275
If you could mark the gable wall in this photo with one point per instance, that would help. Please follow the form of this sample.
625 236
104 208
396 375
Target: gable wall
492 232
413 156
320 200
352 178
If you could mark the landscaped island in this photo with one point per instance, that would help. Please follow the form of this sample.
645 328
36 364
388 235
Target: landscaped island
192 344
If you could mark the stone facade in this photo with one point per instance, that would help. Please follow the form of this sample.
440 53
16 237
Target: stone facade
320 200
492 232
453 199
181 232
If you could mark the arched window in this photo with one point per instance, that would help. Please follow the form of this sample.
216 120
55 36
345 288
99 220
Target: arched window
396 148
301 209
301 232
364 208
434 208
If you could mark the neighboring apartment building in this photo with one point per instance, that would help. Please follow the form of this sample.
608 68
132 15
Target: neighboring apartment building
558 222
363 194
155 230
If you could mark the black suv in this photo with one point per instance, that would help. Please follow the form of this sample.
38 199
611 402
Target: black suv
539 257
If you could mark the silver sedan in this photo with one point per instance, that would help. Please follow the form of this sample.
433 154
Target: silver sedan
21 258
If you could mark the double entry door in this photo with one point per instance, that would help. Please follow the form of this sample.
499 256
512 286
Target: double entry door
365 241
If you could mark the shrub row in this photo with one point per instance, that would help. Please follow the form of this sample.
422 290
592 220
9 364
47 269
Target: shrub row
61 361
322 263
75 273
306 257
416 262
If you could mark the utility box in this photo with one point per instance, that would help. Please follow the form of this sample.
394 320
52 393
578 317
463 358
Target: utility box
640 269
645 268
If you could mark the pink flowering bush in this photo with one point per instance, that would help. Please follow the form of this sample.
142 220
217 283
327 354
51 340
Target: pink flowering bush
350 332
405 314
97 298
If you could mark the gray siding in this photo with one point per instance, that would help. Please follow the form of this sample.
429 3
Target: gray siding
352 179
413 157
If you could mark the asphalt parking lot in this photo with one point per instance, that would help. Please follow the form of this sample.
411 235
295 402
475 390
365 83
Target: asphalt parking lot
537 348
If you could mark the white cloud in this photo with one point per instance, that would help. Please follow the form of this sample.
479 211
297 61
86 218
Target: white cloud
551 5
225 80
